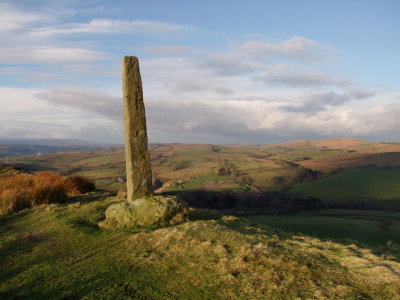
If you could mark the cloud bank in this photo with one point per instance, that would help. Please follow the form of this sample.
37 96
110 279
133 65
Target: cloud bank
62 79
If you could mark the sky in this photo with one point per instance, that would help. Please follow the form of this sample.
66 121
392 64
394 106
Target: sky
222 72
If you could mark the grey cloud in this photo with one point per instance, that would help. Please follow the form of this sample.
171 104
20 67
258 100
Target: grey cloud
86 100
223 90
204 122
318 102
254 55
218 121
193 85
165 50
188 85
227 64
362 94
300 78
298 48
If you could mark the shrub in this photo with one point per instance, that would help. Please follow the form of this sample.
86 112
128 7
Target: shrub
46 194
49 188
20 181
19 191
13 200
179 165
14 167
204 199
76 185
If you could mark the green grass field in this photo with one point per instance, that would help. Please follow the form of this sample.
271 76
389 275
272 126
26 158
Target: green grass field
372 228
58 252
374 186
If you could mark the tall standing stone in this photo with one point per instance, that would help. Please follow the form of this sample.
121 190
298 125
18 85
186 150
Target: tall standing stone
138 169
142 208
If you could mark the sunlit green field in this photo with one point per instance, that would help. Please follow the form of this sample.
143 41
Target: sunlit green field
373 186
372 228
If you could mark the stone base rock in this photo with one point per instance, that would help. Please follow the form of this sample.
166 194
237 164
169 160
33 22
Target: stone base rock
144 212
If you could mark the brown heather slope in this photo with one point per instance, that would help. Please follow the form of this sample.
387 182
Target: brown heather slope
339 143
333 163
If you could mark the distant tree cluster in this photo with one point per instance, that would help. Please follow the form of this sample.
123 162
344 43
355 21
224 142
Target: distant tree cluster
272 203
212 200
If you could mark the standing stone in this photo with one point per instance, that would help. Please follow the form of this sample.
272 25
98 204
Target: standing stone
142 209
138 169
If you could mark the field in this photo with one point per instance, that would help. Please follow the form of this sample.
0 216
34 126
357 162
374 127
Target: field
306 253
372 187
370 228
240 168
58 252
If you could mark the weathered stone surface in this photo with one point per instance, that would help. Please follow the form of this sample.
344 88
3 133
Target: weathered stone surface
138 169
143 212
142 209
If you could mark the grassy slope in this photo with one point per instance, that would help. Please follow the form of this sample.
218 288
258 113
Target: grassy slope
374 185
372 228
57 252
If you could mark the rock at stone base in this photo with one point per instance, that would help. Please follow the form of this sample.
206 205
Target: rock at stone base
144 212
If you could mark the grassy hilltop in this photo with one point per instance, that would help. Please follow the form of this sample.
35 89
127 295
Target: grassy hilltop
333 242
58 252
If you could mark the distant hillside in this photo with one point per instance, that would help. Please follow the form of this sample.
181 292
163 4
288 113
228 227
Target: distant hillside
47 142
20 147
336 143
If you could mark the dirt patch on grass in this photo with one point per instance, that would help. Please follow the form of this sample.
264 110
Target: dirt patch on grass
33 236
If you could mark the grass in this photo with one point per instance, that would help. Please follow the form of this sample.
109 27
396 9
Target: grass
100 172
100 159
216 183
58 252
296 155
373 186
372 228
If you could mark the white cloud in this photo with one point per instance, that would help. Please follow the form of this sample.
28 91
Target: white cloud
11 19
109 26
48 54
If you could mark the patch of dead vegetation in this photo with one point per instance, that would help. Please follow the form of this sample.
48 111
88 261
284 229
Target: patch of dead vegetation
33 236
251 262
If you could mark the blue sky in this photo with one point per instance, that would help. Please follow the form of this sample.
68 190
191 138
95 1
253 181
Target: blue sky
213 71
